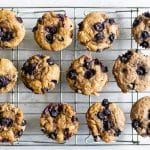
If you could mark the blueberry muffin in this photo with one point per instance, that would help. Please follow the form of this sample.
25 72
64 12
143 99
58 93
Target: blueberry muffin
87 75
8 75
40 74
141 30
132 71
105 120
12 123
97 31
12 30
53 32
140 116
59 122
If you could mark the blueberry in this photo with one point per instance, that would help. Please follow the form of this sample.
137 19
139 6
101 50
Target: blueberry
105 102
4 81
125 57
117 132
100 115
147 14
111 37
111 21
107 125
50 61
19 19
87 63
74 119
98 26
52 135
72 74
96 61
141 71
61 17
40 20
80 26
144 35
49 38
24 122
7 36
106 112
144 44
89 73
53 112
6 122
19 133
54 81
136 22
34 29
135 124
29 68
51 30
148 125
67 135
99 36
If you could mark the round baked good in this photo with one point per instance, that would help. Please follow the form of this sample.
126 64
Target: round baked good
87 75
97 31
140 116
12 123
105 120
8 75
132 71
12 30
53 31
59 121
40 74
141 30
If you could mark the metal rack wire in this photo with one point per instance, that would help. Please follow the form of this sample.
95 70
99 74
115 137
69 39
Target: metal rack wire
32 104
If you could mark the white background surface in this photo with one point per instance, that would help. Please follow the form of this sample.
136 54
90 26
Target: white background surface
91 3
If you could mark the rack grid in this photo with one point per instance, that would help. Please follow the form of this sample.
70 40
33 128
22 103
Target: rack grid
33 104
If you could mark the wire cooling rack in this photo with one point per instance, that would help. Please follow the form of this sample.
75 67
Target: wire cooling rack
33 104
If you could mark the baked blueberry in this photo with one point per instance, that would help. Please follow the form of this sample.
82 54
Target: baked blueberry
19 19
136 124
6 122
99 36
54 111
117 132
106 112
24 122
111 37
19 133
49 38
80 26
136 22
111 21
34 29
104 68
72 74
125 57
99 26
89 73
147 14
29 68
100 115
107 125
144 35
141 71
4 81
144 44
52 135
87 63
105 102
50 61
40 20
